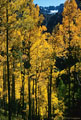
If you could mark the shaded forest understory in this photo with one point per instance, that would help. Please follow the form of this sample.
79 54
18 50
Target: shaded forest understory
40 73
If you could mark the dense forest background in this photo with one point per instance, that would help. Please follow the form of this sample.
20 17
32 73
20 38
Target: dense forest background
40 71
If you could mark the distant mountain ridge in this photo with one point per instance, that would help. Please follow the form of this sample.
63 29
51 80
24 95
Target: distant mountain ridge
51 9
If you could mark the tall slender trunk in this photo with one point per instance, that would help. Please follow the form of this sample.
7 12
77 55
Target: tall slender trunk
36 85
69 89
29 92
29 88
4 88
74 84
22 88
33 98
36 92
13 88
23 80
7 46
49 93
38 102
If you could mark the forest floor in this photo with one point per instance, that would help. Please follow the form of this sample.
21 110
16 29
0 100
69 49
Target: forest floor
2 117
5 117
